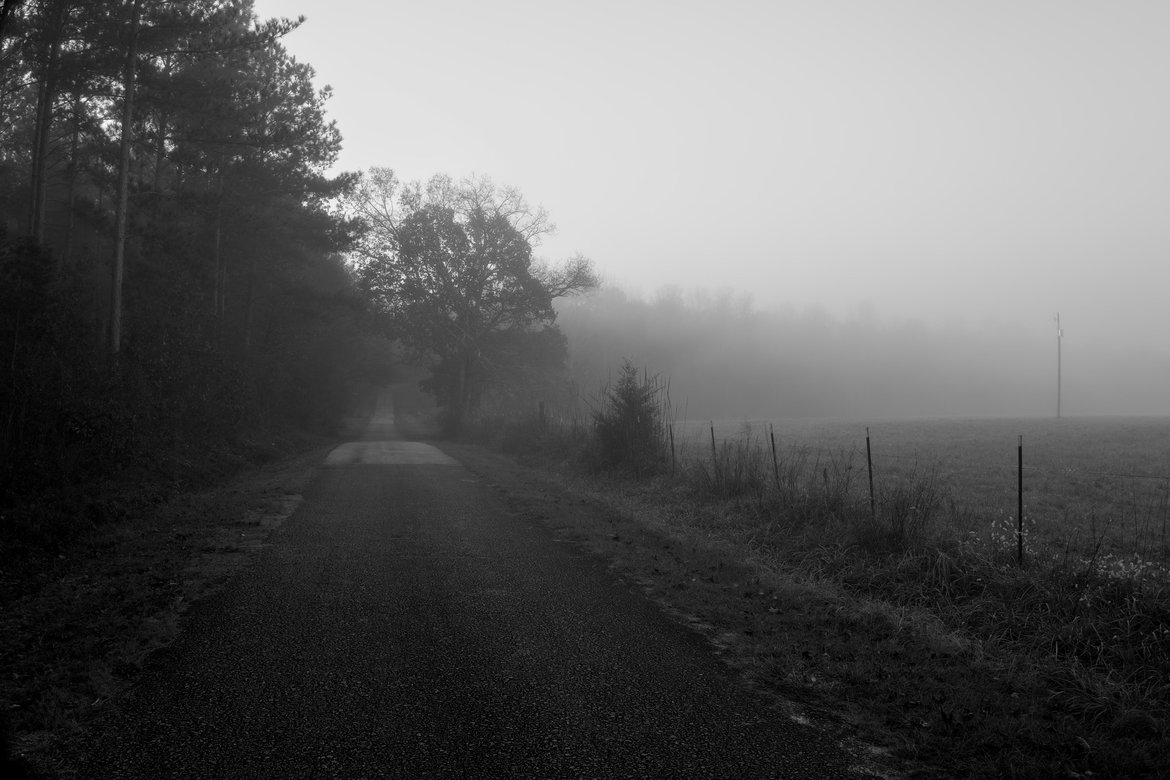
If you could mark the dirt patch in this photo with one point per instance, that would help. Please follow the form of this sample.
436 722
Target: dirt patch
75 635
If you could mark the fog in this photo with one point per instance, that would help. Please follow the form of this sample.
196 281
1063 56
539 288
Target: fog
727 358
908 190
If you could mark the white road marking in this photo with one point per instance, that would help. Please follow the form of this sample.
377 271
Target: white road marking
410 453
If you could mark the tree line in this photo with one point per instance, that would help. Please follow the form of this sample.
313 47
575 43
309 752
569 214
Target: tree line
728 358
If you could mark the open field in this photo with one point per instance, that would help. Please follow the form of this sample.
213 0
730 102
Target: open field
1091 485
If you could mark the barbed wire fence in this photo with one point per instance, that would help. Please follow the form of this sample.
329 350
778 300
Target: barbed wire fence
1061 501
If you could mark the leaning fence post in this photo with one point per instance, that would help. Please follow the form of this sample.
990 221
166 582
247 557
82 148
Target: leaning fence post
775 463
1020 505
869 464
714 456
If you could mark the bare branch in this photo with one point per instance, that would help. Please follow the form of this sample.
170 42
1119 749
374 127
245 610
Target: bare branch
576 276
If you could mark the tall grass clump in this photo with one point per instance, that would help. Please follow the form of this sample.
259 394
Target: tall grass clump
829 488
908 510
737 467
629 424
794 484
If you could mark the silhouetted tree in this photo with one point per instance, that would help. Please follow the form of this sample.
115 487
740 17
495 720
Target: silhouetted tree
451 265
629 422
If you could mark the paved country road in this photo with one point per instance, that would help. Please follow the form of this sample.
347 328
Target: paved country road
403 624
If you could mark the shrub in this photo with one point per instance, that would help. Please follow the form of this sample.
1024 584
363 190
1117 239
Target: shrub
629 423
738 468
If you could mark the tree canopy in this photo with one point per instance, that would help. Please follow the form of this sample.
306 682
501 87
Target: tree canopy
450 265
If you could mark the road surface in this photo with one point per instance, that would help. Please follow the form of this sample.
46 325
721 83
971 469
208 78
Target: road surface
403 624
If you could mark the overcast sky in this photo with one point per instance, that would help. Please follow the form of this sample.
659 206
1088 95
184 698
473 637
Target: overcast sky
939 161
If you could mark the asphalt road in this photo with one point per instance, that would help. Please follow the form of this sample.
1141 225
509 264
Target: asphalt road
403 624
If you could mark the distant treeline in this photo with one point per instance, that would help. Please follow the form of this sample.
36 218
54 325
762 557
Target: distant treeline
727 358
171 277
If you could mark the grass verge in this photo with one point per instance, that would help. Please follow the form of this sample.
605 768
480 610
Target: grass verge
910 628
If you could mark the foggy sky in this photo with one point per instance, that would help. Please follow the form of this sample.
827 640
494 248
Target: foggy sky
954 163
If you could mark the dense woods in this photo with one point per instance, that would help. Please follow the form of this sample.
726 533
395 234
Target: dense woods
171 269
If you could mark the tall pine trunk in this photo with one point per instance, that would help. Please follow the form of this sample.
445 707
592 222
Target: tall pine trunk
219 279
119 265
250 304
40 154
66 254
46 97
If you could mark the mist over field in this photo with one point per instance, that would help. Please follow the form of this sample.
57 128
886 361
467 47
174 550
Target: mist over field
972 167
729 358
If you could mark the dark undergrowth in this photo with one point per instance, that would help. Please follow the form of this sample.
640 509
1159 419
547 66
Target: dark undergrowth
89 435
77 628
38 530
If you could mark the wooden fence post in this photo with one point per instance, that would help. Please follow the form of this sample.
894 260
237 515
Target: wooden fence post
714 455
1020 504
775 462
869 464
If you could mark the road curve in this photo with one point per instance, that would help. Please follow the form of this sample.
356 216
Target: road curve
403 624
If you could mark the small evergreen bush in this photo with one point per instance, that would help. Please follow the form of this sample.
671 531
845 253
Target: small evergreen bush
629 423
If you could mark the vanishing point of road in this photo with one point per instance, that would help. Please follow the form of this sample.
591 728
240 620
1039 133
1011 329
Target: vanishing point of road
403 624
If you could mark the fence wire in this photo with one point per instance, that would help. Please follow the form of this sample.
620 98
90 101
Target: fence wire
1061 499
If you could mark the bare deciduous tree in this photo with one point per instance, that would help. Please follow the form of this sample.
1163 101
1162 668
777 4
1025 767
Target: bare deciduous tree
451 265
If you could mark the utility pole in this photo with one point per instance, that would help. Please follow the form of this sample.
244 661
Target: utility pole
1059 336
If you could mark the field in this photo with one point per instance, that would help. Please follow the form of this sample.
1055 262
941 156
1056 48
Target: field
1092 486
